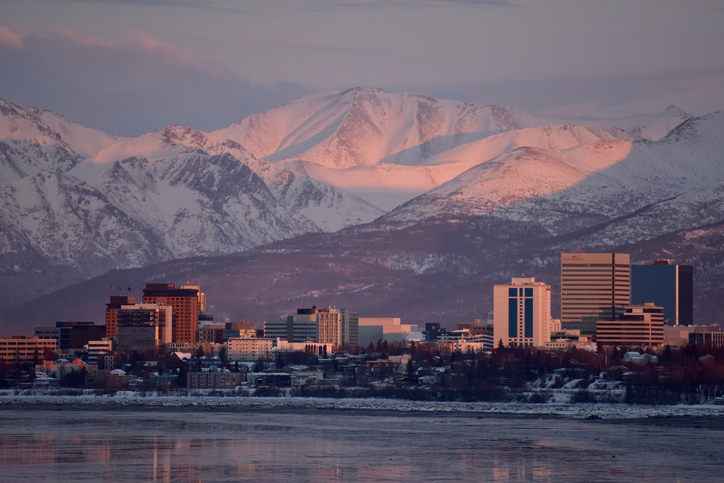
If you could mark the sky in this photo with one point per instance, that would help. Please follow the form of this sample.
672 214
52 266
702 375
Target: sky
133 66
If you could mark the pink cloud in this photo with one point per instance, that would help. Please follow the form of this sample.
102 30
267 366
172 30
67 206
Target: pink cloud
11 38
135 40
149 42
88 40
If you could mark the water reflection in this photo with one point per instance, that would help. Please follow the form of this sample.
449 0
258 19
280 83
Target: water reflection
125 445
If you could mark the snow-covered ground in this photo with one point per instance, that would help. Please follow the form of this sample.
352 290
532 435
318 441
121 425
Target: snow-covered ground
577 411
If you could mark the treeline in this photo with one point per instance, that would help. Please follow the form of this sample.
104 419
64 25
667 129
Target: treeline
692 374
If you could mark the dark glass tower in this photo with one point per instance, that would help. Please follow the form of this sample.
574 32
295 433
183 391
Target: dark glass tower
668 286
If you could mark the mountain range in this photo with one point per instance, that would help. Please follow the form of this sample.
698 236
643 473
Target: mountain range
388 203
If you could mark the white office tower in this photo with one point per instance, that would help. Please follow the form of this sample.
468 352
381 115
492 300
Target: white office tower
349 325
522 313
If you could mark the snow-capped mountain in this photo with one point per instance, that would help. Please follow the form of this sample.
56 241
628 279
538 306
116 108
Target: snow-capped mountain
362 127
20 158
389 184
643 126
49 128
75 202
595 180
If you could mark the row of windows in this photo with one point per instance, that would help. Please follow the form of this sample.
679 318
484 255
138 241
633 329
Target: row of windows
608 265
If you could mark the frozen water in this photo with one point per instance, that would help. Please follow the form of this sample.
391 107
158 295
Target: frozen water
233 439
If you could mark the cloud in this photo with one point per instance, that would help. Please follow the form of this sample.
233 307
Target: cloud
135 39
129 85
482 3
13 39
225 6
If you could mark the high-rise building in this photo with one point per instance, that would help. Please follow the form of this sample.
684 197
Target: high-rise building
349 327
139 315
329 330
185 305
112 309
594 286
668 286
522 313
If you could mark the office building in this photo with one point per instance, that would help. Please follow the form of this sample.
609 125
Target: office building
710 335
248 348
336 326
639 325
594 286
301 327
390 329
349 327
112 309
432 331
144 327
22 348
98 350
668 286
185 306
522 313
71 334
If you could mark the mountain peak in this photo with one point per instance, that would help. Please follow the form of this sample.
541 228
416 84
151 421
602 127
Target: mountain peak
674 110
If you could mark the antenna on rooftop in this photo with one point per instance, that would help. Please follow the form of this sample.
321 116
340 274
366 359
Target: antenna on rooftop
188 269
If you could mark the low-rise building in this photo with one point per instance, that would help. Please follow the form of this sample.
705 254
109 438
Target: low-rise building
390 329
305 378
279 379
98 350
71 334
213 380
248 349
711 336
565 339
313 347
639 325
23 348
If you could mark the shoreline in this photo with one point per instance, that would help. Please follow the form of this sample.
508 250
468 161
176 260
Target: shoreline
675 414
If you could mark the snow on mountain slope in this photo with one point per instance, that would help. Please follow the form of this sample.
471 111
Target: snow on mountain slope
23 123
130 213
19 159
509 178
385 186
583 185
200 203
81 139
390 185
687 211
48 128
70 224
330 208
644 126
262 134
360 127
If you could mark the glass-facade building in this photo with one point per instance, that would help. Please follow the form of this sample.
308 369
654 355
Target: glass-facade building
668 286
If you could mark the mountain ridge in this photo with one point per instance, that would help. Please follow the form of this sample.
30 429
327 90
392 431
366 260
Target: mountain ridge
346 187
